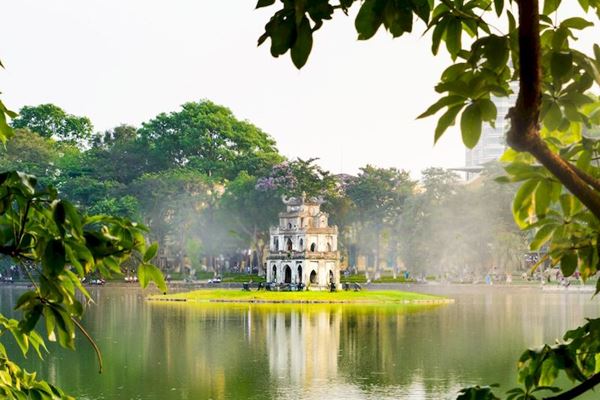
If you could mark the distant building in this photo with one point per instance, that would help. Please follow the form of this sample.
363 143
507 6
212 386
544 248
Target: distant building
303 248
492 142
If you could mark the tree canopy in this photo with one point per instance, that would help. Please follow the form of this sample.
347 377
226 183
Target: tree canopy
50 121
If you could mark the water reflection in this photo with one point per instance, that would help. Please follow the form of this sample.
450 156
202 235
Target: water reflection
178 351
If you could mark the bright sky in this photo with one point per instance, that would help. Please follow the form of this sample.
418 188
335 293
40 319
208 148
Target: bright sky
117 62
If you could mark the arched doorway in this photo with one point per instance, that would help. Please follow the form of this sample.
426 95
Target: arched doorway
331 278
287 274
299 280
274 274
313 276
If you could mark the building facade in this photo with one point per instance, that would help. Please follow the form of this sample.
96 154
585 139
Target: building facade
303 248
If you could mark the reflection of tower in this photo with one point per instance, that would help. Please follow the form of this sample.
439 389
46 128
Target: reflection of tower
303 248
303 345
492 143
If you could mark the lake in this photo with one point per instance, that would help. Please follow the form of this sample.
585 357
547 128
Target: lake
184 351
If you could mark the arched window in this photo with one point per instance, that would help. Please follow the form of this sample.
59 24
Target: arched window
313 276
328 246
301 243
299 280
289 225
313 247
331 278
289 244
274 274
276 243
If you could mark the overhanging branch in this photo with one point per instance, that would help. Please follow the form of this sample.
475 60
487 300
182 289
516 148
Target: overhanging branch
524 134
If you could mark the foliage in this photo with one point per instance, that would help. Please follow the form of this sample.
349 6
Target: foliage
296 178
207 137
50 121
56 247
378 196
552 158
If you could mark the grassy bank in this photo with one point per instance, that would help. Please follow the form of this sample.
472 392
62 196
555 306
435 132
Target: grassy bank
236 295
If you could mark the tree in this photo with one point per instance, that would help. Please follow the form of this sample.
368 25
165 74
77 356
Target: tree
298 177
55 246
171 203
250 212
209 138
50 121
379 195
560 195
32 153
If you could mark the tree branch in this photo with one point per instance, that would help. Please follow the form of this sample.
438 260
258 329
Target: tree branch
524 132
577 390
587 178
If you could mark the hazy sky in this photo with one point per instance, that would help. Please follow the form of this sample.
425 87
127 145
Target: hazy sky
125 61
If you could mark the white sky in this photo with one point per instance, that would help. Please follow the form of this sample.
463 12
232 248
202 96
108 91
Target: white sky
117 62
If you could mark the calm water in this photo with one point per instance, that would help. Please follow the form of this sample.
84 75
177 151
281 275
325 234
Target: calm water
175 351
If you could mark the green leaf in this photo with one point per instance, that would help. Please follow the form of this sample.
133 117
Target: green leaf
54 257
553 116
149 273
447 119
567 204
422 8
568 264
151 252
496 50
470 125
303 45
542 236
453 37
522 201
438 34
550 6
264 3
488 109
397 17
499 6
542 197
441 103
369 19
560 38
561 63
576 23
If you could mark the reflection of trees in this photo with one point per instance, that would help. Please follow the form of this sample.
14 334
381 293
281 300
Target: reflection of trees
178 351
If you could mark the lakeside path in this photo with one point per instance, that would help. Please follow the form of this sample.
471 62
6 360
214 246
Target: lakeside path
307 297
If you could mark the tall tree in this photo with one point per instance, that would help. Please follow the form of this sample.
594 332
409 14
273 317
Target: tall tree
379 195
250 212
51 121
208 137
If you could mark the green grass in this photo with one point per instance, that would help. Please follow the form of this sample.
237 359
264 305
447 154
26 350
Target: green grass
237 295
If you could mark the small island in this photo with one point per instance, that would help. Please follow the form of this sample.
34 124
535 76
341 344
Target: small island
306 297
303 267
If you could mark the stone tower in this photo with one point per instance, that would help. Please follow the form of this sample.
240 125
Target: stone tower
303 248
